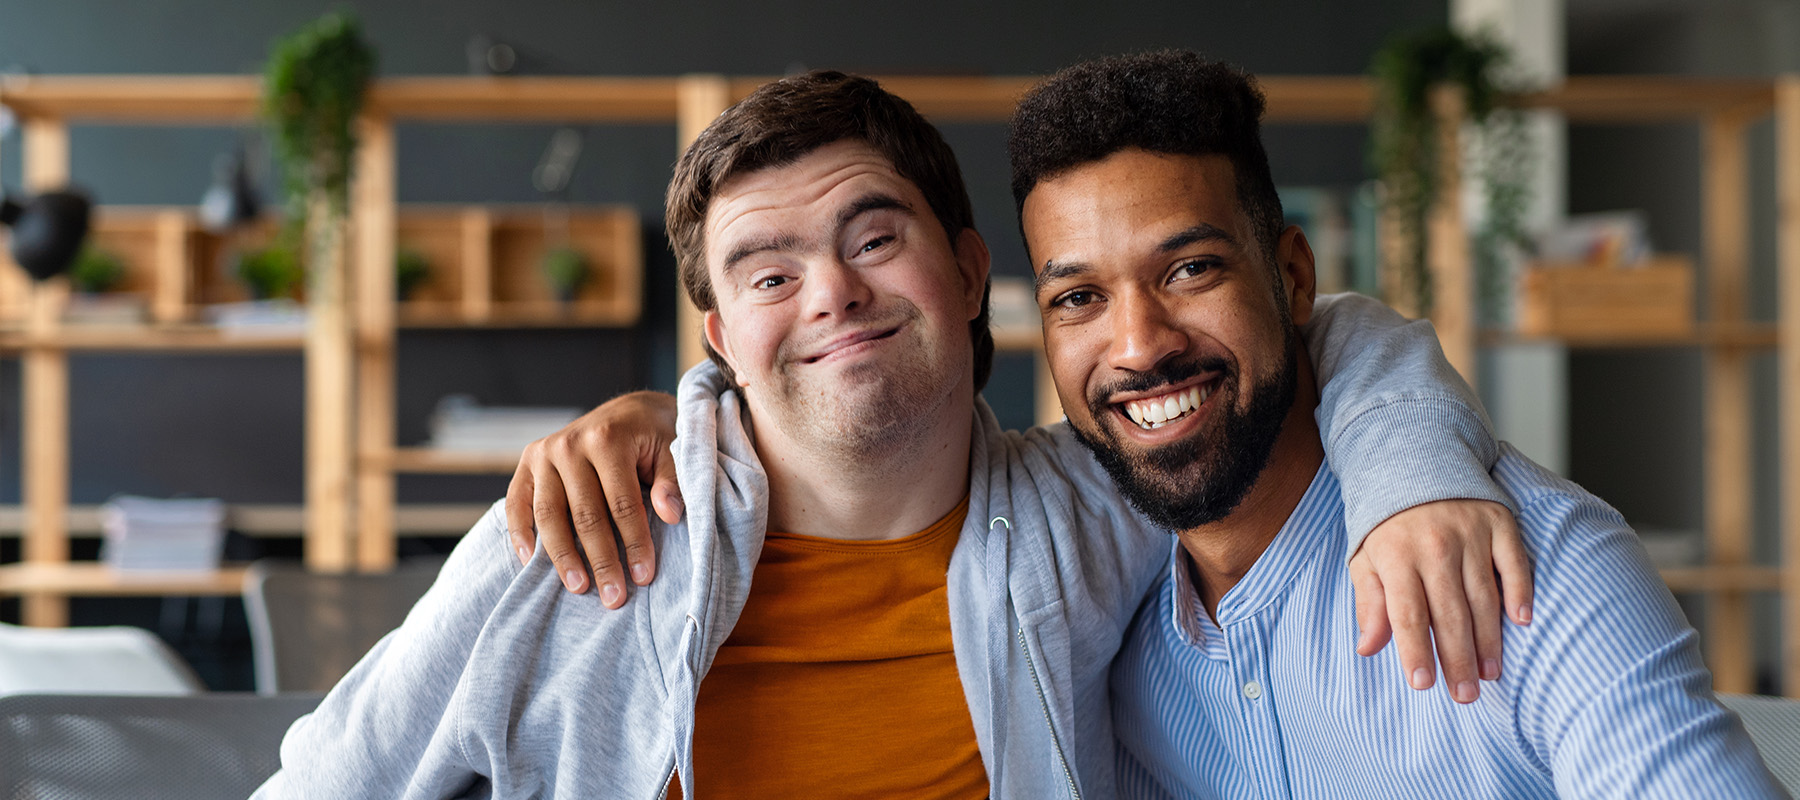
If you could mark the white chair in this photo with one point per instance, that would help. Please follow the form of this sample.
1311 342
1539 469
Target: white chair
117 660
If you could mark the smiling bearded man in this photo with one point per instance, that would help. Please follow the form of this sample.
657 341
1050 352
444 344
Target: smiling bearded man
1145 199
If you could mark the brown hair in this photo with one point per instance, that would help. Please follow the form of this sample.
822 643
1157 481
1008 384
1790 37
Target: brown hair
782 122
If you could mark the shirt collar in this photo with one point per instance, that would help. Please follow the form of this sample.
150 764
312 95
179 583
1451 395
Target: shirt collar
1314 522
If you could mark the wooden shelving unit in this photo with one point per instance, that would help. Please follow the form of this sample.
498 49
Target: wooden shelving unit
352 457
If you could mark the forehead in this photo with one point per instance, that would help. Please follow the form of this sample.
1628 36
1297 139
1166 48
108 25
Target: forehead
804 194
1127 201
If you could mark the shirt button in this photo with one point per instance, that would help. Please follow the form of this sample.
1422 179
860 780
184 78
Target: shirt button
1252 690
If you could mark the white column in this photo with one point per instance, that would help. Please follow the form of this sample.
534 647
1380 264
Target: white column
1525 386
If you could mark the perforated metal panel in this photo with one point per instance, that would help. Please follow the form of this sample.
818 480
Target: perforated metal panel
195 747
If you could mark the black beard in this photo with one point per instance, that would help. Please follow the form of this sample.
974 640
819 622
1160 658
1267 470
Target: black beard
1199 481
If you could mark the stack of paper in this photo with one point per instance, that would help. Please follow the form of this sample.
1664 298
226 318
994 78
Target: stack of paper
460 424
148 534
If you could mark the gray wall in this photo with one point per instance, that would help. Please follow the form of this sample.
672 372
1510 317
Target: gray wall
230 426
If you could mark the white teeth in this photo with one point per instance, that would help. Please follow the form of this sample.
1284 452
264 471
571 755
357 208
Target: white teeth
1149 414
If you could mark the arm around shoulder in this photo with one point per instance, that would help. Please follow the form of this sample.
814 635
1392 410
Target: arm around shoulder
1400 426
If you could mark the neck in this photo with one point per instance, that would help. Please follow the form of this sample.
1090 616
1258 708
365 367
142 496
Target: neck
900 488
1223 552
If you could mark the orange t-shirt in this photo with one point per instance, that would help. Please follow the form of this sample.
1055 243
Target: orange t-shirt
839 679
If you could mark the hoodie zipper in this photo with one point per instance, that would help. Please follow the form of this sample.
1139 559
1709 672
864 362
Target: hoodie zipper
673 768
1044 703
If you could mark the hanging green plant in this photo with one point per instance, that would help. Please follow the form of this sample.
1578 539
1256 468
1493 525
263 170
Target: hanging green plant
1404 153
313 89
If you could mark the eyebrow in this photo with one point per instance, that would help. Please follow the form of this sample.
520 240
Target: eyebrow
1199 233
750 248
875 201
1057 270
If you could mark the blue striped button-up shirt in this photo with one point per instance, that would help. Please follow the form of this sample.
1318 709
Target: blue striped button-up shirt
1603 695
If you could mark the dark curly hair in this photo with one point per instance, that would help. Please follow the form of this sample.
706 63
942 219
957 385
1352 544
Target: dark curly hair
1168 101
784 121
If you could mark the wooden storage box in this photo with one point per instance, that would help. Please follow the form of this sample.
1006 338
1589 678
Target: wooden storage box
1655 300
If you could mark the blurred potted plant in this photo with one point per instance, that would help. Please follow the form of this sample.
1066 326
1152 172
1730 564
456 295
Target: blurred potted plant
411 271
94 276
566 269
270 273
96 271
1404 146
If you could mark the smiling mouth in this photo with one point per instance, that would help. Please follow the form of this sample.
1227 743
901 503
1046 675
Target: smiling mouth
1150 413
849 344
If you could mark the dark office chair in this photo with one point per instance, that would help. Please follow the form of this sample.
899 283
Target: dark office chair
307 629
1774 725
191 747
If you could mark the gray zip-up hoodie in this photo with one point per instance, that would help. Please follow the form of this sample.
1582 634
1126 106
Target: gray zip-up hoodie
501 684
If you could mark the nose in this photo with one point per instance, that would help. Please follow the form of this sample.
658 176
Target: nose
833 287
1142 335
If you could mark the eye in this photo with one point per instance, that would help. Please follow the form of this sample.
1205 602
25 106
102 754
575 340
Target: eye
875 243
1075 299
770 281
1191 269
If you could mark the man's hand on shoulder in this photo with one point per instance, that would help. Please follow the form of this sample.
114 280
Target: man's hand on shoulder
1429 573
585 482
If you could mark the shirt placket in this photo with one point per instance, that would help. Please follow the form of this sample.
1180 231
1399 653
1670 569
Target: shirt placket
1249 644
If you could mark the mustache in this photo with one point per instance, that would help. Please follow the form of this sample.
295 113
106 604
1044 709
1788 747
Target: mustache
1165 374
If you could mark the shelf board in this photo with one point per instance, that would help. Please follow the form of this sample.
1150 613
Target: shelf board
191 99
131 338
428 460
514 315
1722 579
91 579
1645 98
1753 335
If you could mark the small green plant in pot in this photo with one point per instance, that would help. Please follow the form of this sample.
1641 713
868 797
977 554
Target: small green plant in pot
566 269
411 271
270 272
96 271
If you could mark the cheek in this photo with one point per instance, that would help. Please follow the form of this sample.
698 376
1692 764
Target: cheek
1074 363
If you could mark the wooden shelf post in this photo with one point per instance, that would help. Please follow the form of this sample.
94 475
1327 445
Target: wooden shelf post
1452 268
375 196
702 99
1787 159
45 406
1725 222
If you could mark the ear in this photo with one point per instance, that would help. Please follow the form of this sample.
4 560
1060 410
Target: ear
972 262
713 326
1294 263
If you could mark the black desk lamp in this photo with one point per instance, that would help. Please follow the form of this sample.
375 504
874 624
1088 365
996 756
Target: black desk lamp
47 230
